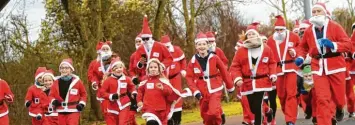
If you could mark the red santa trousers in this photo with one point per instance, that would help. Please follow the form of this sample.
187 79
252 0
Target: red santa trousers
162 115
111 119
4 120
132 118
287 90
37 122
350 94
210 108
51 120
330 92
69 119
248 116
103 106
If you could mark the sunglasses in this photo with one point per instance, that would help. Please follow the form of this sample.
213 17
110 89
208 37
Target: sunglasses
279 29
145 39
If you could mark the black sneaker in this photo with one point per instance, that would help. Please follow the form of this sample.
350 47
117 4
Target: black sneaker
308 112
223 118
269 115
351 115
245 123
290 123
314 121
339 114
334 121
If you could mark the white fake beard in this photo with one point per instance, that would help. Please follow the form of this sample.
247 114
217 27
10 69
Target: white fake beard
319 20
252 43
137 46
149 43
213 47
105 55
279 37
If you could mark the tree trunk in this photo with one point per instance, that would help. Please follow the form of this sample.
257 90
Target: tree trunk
159 16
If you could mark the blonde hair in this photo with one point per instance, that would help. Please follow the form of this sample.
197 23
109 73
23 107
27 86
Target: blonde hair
160 65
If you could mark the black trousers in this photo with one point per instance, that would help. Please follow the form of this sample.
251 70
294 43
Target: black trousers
272 100
255 103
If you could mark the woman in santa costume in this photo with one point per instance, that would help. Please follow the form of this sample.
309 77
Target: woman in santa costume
176 70
36 100
205 76
6 96
51 117
98 69
68 95
254 69
325 40
117 88
283 44
156 96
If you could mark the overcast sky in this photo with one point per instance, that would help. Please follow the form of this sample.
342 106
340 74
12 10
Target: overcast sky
35 12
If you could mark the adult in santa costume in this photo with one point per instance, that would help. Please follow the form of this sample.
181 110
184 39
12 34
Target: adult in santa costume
51 117
98 69
283 44
156 96
296 28
136 74
175 71
36 99
214 49
6 96
325 40
206 73
350 83
117 88
150 49
68 95
254 69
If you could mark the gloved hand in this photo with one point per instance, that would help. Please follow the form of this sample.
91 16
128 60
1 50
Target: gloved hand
56 103
28 104
80 107
135 81
115 96
327 43
198 96
94 86
299 61
38 117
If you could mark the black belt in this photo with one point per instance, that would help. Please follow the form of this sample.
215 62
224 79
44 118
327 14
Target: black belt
69 103
173 76
327 55
284 62
208 77
255 77
121 95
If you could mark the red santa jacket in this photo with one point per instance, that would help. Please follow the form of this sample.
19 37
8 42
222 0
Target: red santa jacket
216 72
158 51
178 64
113 85
222 56
76 94
351 64
39 101
95 72
241 69
133 70
5 94
285 62
335 33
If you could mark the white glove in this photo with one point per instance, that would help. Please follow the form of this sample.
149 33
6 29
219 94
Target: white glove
273 78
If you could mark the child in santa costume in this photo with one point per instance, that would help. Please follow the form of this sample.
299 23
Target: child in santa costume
283 44
325 40
98 69
117 88
51 117
350 83
136 74
68 95
156 96
206 73
36 100
150 49
6 96
175 71
254 69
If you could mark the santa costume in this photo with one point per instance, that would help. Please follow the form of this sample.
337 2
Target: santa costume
117 88
97 69
175 71
150 49
214 49
350 83
36 99
254 69
283 44
205 77
6 96
136 74
51 116
156 96
324 41
68 95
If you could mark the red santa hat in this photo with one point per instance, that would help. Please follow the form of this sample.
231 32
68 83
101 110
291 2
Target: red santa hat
101 44
116 61
323 7
39 72
280 22
139 37
69 62
297 26
253 28
145 28
210 36
49 73
165 40
305 24
200 37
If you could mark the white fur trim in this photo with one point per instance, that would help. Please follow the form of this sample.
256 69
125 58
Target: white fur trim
211 39
146 35
179 58
196 92
116 63
316 5
280 27
67 110
294 51
231 90
252 30
273 75
138 38
201 40
5 113
34 114
348 78
353 56
150 116
296 29
237 79
113 111
49 74
177 109
183 73
100 99
187 93
51 115
92 86
39 75
70 65
82 102
304 25
335 47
